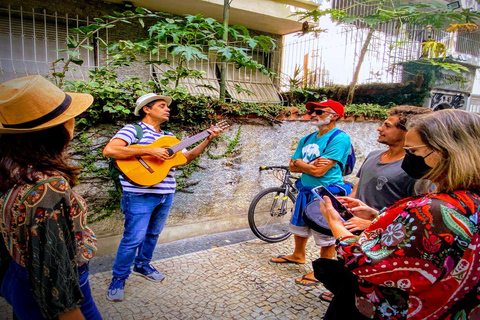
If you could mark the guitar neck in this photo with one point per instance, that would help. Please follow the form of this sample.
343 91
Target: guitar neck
189 141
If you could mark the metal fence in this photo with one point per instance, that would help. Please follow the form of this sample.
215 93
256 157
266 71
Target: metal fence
30 40
242 84
474 103
330 57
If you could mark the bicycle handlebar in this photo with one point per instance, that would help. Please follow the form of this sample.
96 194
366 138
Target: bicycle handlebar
286 168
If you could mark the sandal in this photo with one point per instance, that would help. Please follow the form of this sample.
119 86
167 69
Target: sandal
326 296
311 282
284 260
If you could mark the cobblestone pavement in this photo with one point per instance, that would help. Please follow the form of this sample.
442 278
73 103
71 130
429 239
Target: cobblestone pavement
229 282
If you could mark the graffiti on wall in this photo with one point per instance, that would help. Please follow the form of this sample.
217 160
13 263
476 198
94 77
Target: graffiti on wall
442 100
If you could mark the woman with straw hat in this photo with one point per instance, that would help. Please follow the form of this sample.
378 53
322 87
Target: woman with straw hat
45 244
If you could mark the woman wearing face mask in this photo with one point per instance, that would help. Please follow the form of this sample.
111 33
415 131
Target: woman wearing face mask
420 258
45 245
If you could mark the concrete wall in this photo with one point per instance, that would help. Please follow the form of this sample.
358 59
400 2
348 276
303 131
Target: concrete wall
221 191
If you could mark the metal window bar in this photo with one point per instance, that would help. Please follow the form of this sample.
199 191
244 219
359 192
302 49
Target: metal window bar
23 44
468 43
390 46
474 103
261 87
29 43
256 86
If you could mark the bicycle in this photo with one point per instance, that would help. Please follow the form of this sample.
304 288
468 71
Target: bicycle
270 211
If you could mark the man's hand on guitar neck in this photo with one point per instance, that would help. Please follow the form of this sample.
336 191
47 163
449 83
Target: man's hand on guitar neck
195 152
214 132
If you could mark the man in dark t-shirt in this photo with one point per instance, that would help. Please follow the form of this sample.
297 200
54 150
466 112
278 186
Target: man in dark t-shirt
382 181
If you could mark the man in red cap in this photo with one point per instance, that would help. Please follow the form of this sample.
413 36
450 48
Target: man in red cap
319 157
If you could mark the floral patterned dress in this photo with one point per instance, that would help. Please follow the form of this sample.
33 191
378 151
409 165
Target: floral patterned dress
420 259
44 230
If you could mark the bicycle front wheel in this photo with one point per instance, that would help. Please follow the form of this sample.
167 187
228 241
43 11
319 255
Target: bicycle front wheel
270 213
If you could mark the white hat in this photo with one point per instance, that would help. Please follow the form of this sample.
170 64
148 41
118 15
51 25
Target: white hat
147 98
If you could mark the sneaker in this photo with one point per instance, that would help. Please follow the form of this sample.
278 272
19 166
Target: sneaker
148 272
116 290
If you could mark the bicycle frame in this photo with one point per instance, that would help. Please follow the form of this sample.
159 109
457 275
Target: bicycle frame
287 183
270 224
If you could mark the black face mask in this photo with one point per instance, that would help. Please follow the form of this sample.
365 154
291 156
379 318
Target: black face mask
415 166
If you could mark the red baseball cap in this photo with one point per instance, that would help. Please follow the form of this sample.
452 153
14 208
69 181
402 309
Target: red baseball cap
335 105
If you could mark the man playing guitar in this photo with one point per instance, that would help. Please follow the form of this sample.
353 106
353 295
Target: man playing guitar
146 208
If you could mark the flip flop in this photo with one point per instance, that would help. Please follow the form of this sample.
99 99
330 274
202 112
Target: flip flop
313 282
326 296
285 260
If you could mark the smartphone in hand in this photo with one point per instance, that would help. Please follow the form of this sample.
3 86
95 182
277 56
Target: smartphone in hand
321 191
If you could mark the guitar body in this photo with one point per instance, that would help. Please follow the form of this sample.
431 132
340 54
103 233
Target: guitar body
148 171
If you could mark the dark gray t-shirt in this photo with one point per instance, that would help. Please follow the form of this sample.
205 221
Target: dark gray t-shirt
382 184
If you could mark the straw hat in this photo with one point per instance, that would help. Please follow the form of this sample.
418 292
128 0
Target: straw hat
33 103
149 97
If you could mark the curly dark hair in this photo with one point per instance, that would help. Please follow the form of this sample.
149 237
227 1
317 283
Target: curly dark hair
44 151
405 113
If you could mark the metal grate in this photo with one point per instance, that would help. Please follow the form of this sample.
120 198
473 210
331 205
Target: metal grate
208 85
474 103
29 42
331 57
242 84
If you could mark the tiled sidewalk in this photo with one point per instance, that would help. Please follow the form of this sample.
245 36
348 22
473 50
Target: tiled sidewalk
230 282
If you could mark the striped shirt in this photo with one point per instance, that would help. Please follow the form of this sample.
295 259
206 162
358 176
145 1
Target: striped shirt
129 134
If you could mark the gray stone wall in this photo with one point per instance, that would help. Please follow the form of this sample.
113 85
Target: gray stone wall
221 190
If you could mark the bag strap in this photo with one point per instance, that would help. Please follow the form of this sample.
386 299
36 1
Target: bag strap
37 185
139 132
308 137
333 135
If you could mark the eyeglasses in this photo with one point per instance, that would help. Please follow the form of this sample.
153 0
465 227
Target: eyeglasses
407 150
319 112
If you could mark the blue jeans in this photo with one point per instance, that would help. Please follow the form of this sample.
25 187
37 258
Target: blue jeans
145 217
16 291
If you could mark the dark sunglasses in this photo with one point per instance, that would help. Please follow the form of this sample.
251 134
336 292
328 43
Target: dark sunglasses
319 112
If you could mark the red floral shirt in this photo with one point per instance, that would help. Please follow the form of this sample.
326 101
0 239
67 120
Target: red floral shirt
420 259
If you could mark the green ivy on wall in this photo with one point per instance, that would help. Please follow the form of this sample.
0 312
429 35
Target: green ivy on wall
232 144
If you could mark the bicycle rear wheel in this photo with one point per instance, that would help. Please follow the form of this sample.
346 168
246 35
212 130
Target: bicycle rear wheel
270 213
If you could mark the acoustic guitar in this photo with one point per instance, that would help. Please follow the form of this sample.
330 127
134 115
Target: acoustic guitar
147 170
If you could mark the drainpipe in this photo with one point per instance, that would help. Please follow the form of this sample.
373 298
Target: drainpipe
223 65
